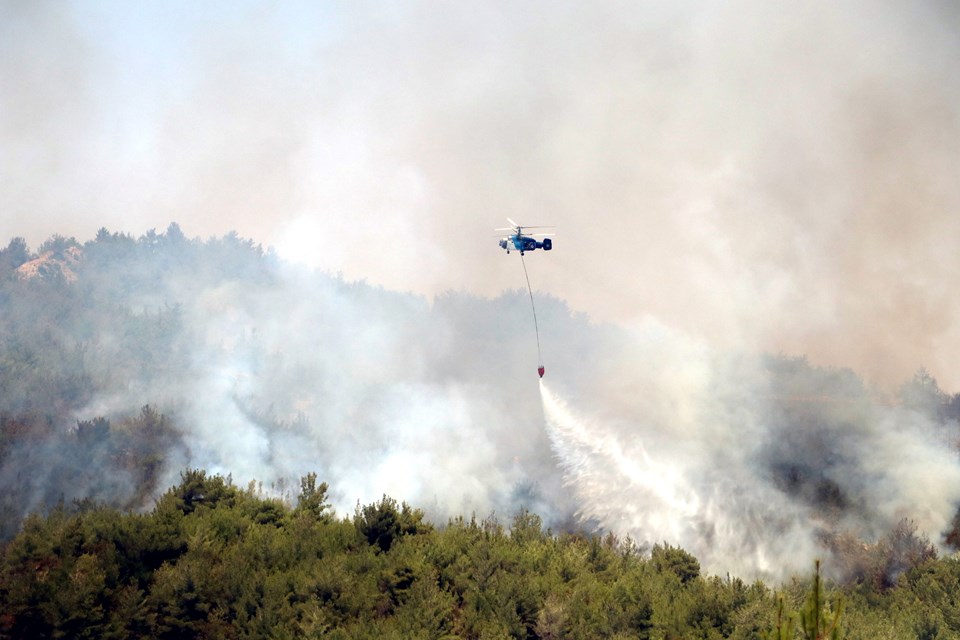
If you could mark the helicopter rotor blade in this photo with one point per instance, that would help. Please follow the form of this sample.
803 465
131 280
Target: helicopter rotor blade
520 228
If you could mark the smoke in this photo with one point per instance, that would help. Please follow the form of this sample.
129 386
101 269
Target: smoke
273 375
267 371
752 464
765 177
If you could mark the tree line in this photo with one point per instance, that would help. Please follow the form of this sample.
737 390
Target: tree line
95 545
213 560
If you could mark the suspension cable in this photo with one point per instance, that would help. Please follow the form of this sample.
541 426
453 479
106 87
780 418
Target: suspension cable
532 306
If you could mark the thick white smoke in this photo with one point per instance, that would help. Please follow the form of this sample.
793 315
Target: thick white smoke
376 391
780 176
747 461
719 510
268 372
709 454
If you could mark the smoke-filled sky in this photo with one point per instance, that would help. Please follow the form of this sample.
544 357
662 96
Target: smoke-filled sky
761 175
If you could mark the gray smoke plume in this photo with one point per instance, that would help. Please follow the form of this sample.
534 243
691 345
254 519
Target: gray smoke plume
762 176
752 466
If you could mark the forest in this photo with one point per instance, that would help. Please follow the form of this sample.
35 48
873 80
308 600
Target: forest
140 376
212 560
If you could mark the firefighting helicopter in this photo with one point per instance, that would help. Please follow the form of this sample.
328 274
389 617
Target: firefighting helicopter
522 243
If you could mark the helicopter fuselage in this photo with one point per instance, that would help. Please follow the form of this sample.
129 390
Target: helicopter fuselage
522 243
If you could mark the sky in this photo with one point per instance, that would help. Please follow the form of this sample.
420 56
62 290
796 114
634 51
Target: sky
759 176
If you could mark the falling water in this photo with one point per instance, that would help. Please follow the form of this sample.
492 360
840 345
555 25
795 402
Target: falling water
623 488
595 460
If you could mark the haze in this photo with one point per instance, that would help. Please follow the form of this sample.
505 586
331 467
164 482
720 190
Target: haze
767 177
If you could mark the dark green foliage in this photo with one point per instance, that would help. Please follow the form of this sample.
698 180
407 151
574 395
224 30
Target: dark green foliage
526 527
817 621
13 256
786 622
675 560
197 490
213 561
383 522
312 501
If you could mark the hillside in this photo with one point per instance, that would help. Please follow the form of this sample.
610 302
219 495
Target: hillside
124 361
211 560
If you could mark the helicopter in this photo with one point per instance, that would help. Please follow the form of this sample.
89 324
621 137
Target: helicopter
522 243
